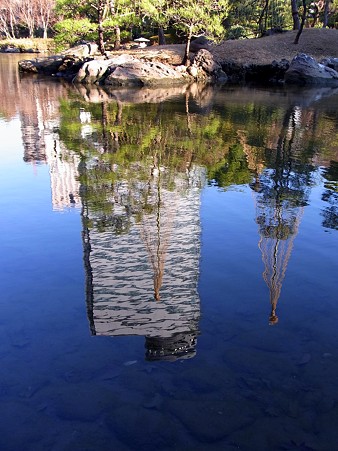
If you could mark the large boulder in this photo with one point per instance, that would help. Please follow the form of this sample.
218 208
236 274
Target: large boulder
304 70
66 63
331 62
94 71
205 68
199 43
46 66
144 73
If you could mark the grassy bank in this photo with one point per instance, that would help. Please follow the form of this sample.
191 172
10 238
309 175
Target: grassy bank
27 45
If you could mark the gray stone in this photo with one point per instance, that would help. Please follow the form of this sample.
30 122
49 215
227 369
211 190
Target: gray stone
331 62
205 61
94 71
304 70
82 50
12 50
205 67
91 71
145 74
64 63
193 71
199 43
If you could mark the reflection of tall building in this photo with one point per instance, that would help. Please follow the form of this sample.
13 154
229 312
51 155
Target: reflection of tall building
39 116
33 138
144 282
64 178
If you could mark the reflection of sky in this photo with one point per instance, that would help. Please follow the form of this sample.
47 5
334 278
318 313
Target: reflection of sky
11 145
15 181
51 367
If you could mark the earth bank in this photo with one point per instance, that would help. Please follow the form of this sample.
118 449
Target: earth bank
263 60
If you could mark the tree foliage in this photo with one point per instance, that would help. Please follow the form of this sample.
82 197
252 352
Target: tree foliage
199 17
113 20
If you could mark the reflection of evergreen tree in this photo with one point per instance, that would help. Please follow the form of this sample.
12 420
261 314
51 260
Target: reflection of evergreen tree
140 193
281 191
233 170
330 195
233 141
119 144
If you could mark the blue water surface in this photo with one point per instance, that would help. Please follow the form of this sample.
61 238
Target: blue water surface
248 386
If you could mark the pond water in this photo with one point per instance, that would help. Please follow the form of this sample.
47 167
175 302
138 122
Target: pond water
169 266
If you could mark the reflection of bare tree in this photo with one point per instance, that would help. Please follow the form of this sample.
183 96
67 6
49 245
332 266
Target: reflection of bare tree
155 232
157 223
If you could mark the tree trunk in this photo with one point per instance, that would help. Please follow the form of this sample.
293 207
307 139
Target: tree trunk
295 16
117 43
100 18
261 27
101 41
186 60
161 37
13 25
4 29
326 13
302 23
315 15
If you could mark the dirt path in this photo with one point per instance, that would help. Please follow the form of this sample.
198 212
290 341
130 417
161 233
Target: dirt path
317 42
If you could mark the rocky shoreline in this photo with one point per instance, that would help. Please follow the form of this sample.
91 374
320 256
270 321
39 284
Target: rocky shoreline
155 67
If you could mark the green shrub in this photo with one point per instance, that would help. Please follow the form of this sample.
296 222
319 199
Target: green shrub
237 32
70 32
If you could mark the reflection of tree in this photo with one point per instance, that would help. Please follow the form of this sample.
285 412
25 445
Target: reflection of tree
280 192
233 170
161 244
158 215
132 153
140 216
330 195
